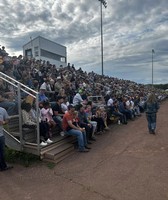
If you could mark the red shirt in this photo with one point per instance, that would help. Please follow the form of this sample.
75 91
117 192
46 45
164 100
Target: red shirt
67 117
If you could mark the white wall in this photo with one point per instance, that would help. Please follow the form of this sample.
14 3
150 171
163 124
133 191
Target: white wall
47 45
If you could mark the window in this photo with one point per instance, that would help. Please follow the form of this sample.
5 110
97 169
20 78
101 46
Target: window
28 53
51 55
36 51
62 59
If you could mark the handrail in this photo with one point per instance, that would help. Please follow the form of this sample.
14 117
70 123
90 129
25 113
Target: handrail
16 82
29 91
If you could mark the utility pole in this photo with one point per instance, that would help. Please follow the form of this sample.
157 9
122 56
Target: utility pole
102 3
152 64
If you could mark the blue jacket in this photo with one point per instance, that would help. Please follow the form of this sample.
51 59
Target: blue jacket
151 108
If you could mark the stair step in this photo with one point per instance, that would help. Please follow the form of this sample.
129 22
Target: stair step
58 142
15 133
60 158
59 151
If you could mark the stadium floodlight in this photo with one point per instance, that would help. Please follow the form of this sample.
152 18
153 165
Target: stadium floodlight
102 3
152 64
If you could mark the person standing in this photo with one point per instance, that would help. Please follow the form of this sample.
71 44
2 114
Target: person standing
151 107
3 120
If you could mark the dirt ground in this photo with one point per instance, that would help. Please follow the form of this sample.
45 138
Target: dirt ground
126 163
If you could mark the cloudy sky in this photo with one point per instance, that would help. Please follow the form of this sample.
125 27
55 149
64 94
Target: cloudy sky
131 29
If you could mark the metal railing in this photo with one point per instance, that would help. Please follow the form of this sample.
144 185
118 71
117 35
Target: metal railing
23 88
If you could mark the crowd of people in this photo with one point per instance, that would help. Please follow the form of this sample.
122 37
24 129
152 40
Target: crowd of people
63 98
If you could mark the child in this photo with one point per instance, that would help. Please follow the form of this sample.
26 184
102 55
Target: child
46 116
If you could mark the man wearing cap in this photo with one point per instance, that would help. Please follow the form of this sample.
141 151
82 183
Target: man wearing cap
42 97
71 129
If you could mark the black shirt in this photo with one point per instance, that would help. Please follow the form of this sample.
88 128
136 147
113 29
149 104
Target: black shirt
57 108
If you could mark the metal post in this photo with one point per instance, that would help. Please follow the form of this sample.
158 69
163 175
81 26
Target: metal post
101 37
152 64
38 126
102 3
20 116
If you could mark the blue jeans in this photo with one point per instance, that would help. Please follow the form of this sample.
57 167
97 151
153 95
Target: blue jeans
2 153
151 118
81 136
58 120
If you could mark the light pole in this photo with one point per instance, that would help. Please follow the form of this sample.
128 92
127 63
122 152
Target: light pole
102 3
152 64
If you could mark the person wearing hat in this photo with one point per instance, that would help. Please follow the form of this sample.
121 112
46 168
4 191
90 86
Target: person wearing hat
46 85
42 97
75 130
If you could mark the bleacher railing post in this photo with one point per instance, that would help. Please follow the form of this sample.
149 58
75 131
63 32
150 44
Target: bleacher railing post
37 120
20 115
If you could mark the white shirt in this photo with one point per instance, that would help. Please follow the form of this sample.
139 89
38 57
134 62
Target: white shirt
77 99
110 102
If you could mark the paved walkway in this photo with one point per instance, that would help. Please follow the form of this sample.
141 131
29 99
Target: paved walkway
126 163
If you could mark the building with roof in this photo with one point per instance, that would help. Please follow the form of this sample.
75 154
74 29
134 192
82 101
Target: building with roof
43 49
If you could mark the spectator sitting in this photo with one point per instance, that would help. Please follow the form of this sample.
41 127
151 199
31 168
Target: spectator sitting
74 130
104 117
42 96
130 106
136 106
58 113
58 85
116 112
110 102
84 123
124 110
100 122
90 118
65 104
62 92
141 104
7 100
77 100
49 88
46 85
29 122
46 116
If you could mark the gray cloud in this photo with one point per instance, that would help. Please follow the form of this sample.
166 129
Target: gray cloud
131 28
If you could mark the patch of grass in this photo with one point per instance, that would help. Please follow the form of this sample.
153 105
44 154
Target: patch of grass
50 165
22 158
